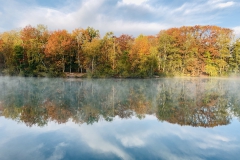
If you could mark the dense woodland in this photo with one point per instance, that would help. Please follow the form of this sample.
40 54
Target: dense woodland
185 51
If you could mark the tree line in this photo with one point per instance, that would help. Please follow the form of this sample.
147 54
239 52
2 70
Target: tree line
187 51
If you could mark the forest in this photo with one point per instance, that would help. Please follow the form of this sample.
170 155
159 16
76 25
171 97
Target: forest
184 51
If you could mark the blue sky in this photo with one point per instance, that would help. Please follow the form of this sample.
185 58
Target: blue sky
132 17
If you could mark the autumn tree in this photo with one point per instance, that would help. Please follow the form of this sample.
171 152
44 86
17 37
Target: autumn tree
91 48
234 60
58 48
123 45
8 42
143 57
195 50
2 61
188 50
33 42
107 55
80 36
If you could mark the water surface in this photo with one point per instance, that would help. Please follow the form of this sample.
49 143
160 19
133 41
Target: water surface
170 118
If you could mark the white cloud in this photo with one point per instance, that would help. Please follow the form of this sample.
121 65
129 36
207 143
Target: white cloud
95 141
215 141
58 19
221 138
135 2
86 16
237 31
58 152
131 141
52 18
134 28
195 8
225 5
124 16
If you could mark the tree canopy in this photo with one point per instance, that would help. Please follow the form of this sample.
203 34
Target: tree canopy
188 50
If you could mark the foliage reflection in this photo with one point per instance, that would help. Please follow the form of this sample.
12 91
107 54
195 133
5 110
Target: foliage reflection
194 102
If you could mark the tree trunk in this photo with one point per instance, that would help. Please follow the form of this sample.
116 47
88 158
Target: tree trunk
63 64
92 64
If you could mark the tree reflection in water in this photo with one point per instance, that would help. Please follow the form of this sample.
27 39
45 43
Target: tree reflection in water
184 101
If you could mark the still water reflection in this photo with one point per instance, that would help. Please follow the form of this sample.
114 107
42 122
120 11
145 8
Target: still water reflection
178 118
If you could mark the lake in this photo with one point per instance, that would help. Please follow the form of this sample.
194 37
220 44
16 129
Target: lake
165 118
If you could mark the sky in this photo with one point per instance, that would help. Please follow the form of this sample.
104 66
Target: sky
133 17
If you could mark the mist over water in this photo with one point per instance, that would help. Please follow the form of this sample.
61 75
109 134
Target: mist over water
121 118
186 101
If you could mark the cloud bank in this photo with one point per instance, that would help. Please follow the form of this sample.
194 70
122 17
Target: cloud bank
132 17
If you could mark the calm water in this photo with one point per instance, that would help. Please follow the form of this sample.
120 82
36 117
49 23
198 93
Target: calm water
185 118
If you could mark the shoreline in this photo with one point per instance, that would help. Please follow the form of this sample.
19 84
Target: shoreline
85 75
